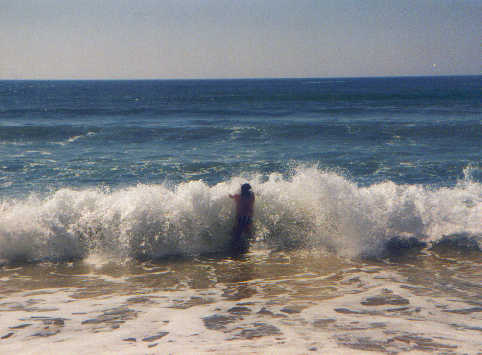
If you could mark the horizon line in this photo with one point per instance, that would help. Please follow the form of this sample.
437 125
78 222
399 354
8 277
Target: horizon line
245 78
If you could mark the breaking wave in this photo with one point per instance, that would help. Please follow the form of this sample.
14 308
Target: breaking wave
309 209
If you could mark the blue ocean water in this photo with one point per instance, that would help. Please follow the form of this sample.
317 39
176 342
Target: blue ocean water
97 150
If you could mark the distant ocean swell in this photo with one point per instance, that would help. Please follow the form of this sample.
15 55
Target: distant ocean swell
270 110
310 209
379 131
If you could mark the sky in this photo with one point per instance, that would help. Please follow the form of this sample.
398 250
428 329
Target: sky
167 39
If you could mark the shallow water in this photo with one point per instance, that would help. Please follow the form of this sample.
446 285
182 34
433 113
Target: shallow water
290 301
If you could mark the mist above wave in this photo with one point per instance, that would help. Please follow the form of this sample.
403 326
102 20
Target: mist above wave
311 208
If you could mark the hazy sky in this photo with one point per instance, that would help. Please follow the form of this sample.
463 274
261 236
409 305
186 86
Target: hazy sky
57 39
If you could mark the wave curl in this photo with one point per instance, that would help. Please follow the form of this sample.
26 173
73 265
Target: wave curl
311 208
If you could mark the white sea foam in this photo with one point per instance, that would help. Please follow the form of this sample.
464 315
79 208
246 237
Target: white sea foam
312 208
75 138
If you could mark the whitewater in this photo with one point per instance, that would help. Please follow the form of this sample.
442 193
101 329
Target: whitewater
311 208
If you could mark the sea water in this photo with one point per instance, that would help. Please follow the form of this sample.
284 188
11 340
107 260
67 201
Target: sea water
115 220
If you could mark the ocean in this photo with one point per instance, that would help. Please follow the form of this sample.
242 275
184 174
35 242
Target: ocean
116 221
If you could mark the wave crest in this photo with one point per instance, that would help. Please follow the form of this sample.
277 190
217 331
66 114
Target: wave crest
311 208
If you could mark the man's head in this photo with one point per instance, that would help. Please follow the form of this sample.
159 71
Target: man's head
245 189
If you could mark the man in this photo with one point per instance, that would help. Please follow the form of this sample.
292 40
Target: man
244 217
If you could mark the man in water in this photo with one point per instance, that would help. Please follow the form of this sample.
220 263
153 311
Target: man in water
244 215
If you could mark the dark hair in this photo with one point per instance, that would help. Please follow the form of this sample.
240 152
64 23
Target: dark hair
246 190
